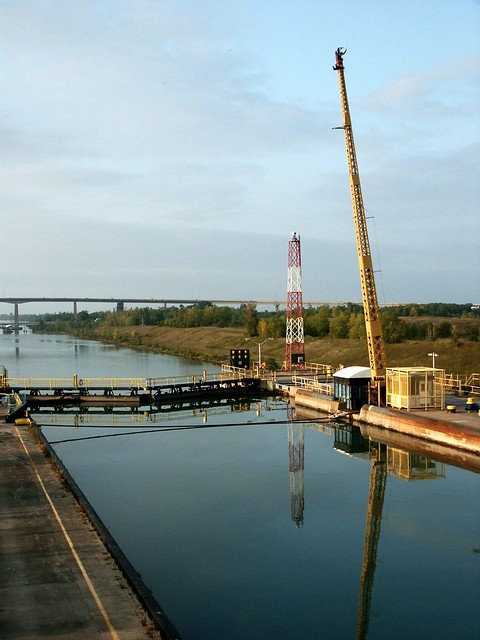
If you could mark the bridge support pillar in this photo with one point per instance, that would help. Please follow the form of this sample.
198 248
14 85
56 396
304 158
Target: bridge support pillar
75 308
120 305
16 319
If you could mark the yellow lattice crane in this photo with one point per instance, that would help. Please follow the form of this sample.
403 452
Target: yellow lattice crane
373 325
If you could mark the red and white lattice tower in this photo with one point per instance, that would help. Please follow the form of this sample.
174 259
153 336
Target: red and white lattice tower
295 342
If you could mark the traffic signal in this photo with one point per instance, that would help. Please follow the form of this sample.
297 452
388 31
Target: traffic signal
240 358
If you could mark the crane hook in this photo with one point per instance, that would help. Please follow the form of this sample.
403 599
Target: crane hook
339 53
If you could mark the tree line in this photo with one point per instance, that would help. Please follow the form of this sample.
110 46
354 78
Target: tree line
400 323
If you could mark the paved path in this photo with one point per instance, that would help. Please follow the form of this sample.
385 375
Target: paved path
460 418
56 578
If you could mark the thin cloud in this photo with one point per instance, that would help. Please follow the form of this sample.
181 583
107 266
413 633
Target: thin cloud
168 139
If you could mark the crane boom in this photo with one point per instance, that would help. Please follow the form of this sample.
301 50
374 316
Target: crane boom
373 325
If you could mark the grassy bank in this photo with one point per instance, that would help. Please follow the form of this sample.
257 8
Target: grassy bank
213 344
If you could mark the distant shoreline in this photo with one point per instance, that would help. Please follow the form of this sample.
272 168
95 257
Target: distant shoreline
213 344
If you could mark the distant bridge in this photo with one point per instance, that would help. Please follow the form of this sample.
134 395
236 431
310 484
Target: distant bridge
167 301
121 302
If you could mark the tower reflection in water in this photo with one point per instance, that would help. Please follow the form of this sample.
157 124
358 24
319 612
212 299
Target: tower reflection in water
296 466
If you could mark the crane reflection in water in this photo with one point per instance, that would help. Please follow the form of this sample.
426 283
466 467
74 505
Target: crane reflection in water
384 460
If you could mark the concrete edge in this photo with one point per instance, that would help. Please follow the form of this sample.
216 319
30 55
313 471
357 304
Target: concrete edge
452 456
144 595
431 429
318 401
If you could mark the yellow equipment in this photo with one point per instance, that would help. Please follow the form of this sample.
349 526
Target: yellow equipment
376 350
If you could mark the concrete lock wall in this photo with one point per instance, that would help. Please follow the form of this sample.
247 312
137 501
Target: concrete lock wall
313 400
455 435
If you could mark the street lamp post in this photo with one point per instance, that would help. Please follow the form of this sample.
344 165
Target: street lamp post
433 355
259 345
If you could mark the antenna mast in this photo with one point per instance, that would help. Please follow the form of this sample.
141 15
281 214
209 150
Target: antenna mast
295 341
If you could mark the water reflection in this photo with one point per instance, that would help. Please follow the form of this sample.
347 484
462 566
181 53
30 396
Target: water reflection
423 453
376 495
208 503
348 440
89 414
403 464
384 460
296 466
413 466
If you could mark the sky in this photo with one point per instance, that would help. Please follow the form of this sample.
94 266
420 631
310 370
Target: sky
169 149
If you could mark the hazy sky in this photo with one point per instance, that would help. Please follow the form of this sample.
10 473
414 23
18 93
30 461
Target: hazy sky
156 148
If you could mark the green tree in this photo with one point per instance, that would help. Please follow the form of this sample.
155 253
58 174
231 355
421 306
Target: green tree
394 329
443 330
192 317
272 364
318 323
339 324
250 318
356 330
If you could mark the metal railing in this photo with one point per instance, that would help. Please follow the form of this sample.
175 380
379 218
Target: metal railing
457 383
237 373
307 378
77 382
319 369
312 384
473 380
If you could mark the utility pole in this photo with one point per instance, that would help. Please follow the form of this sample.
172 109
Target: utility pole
259 345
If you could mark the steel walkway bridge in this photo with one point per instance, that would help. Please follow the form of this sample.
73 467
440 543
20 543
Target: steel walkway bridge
38 392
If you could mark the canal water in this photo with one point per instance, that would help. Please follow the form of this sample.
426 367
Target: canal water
248 524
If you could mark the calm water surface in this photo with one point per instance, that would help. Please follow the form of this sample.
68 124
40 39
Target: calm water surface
237 539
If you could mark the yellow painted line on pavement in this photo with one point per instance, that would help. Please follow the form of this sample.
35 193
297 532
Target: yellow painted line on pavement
83 571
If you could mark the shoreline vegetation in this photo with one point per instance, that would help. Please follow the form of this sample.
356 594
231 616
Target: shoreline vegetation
334 335
213 344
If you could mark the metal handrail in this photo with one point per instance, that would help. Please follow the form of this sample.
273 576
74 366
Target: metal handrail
319 369
473 380
312 384
78 382
456 382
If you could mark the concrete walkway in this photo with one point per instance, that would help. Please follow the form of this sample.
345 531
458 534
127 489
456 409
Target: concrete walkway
56 578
